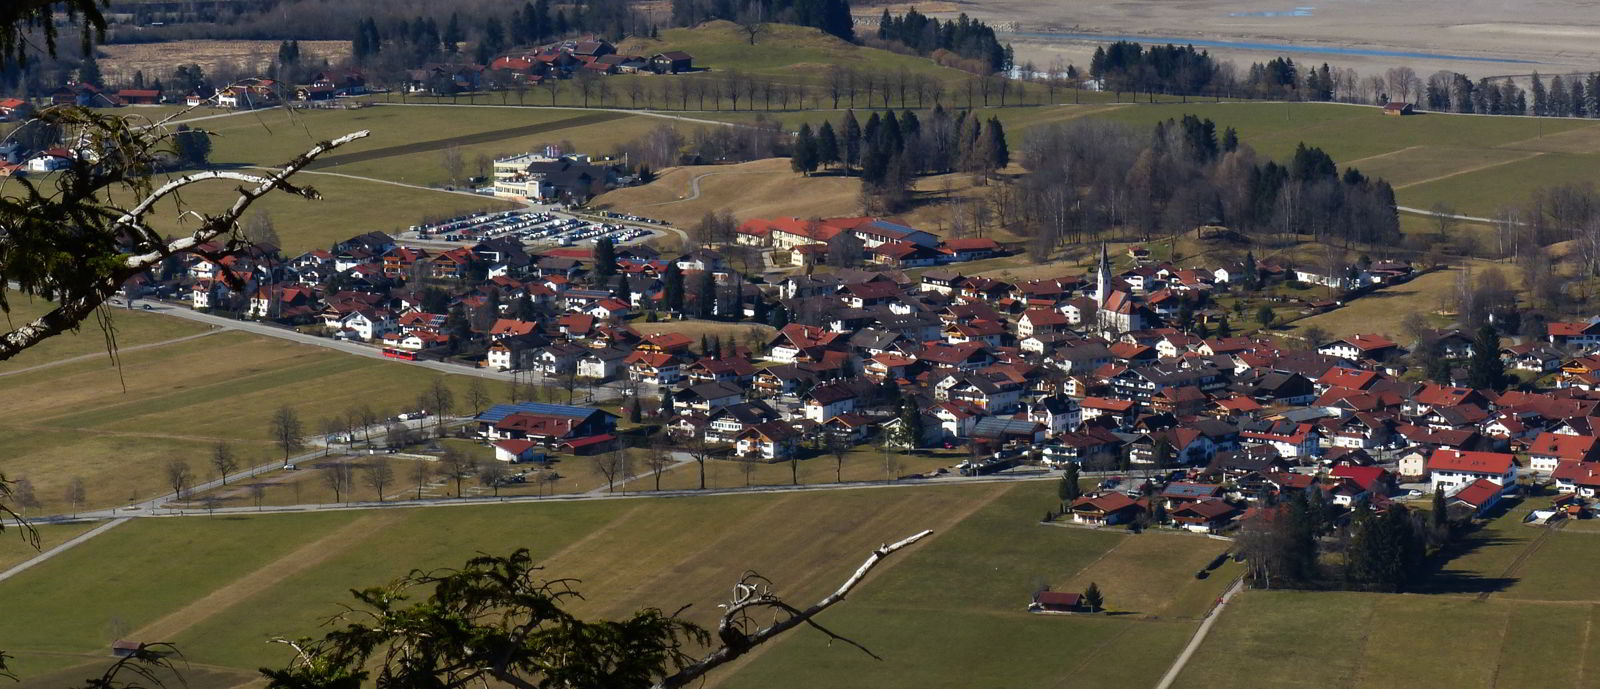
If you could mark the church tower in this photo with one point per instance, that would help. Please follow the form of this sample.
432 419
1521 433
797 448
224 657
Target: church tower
1102 290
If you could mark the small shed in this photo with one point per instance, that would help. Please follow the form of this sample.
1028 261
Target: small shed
1057 601
122 648
1398 109
517 450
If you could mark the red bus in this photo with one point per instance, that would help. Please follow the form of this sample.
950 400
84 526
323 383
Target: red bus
393 353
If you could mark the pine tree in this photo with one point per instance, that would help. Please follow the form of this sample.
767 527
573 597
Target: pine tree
89 70
852 139
804 157
999 155
1093 599
1230 140
138 79
1485 370
452 34
910 432
634 413
673 288
1541 102
605 258
706 295
1069 489
827 145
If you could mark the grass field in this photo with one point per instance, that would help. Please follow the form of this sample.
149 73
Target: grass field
762 188
78 419
944 612
132 328
14 547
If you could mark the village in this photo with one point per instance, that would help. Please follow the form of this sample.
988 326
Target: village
1129 375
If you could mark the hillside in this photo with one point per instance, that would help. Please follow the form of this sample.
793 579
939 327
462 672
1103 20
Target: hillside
782 50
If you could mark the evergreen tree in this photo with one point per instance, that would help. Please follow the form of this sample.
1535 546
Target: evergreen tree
1439 516
138 79
1485 370
852 139
1541 103
89 70
605 258
452 34
999 154
1069 489
673 288
634 413
827 145
1300 542
910 432
804 158
1230 140
1093 599
524 310
706 295
778 316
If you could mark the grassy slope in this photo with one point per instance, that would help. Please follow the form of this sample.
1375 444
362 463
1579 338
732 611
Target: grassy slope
78 420
132 328
792 52
937 614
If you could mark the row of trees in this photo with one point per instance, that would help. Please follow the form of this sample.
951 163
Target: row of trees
1128 66
831 16
963 36
1284 544
1087 178
888 152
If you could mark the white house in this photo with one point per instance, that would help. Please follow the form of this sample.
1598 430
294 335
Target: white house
1454 469
367 324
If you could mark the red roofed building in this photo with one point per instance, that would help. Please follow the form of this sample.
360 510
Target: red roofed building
1550 449
1358 347
1582 478
1454 469
1480 495
1105 509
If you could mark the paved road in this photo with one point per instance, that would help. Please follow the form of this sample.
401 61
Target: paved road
1199 636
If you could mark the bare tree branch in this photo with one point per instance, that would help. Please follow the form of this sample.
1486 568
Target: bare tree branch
753 591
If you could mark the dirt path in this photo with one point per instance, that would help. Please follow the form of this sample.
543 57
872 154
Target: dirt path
1381 155
1522 557
1199 636
120 351
241 589
694 185
73 543
464 140
1464 171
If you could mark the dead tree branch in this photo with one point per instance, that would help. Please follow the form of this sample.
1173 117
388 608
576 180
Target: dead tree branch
754 592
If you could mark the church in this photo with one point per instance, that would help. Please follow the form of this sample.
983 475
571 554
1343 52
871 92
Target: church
1116 310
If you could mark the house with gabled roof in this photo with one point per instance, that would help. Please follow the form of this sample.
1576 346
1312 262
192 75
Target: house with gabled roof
1548 450
1454 469
1105 509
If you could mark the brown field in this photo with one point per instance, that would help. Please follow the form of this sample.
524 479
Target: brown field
159 59
758 189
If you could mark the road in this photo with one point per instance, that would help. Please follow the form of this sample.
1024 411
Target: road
64 547
645 113
1199 636
1419 211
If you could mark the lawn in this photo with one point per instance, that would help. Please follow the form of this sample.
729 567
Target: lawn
117 428
758 189
132 328
1383 311
943 612
15 549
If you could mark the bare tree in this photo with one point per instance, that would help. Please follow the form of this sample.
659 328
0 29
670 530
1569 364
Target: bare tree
658 457
259 230
612 466
379 474
285 430
179 476
367 419
333 427
339 476
258 492
421 473
455 466
747 466
441 401
453 162
838 447
752 23
77 493
477 395
491 474
223 460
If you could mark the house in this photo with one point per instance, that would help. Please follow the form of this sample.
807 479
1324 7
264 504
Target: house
517 450
1455 469
1480 496
1548 450
1105 509
773 440
546 423
1362 346
1583 334
139 96
602 364
709 397
1209 515
672 62
827 401
1581 478
653 368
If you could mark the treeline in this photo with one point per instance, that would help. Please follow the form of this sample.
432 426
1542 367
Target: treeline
667 145
831 16
1570 96
890 151
1284 544
965 37
1088 178
1128 66
423 38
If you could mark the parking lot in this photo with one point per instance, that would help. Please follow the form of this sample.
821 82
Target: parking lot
546 227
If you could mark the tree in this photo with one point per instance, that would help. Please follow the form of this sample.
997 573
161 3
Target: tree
477 395
805 157
179 476
191 146
455 466
1485 370
612 466
379 474
440 400
258 492
223 460
77 493
605 259
838 447
491 474
909 433
1093 599
635 413
421 473
259 230
658 458
285 431
450 158
673 288
339 477
1265 316
1069 489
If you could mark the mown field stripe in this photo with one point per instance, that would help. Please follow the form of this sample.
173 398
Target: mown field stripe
465 139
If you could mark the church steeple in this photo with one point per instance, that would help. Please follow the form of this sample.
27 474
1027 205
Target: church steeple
1102 290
